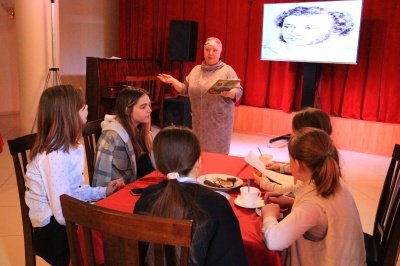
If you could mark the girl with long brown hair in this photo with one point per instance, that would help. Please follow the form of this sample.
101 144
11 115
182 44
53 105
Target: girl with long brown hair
216 238
323 227
124 149
56 168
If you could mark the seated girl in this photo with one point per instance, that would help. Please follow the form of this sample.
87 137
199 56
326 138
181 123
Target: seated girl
124 149
308 117
216 237
56 168
323 227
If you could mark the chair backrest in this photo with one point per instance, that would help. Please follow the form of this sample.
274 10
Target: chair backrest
390 247
121 233
19 148
154 87
91 133
387 222
149 83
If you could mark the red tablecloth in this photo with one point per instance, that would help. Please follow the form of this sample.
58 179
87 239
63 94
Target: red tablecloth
250 223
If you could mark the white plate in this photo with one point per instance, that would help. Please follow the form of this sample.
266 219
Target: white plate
259 203
212 177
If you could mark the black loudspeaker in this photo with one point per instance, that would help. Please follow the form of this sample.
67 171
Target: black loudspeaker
177 112
183 40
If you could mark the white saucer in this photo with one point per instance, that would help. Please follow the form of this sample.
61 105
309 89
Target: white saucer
259 203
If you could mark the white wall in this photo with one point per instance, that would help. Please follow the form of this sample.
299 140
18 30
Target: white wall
9 93
87 28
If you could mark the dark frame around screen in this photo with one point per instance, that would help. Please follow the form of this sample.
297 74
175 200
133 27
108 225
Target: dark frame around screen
339 47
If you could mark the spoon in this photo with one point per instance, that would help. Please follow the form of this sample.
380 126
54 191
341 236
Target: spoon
258 148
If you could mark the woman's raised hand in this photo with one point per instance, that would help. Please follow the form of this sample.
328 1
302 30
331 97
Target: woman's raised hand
178 86
165 78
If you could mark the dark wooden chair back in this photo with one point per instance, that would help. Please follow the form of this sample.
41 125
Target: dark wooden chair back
91 133
390 246
383 246
154 87
19 148
121 233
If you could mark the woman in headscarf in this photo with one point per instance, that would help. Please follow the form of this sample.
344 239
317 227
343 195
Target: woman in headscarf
212 114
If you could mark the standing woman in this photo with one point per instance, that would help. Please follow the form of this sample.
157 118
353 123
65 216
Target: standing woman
324 226
124 149
56 168
216 238
212 114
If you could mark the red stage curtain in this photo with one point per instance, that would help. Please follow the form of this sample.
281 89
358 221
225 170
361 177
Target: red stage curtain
368 90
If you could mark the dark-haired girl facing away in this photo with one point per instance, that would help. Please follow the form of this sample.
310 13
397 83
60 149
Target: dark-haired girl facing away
124 149
324 226
216 238
56 168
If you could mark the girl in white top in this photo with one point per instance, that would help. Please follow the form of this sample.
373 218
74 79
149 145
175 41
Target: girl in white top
56 168
324 226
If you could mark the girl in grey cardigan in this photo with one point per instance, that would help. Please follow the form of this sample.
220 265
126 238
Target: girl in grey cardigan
124 149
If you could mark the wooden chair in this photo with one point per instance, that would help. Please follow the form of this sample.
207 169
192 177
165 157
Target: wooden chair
91 133
121 233
383 246
19 148
156 91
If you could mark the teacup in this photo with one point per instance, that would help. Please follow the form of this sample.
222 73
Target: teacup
249 195
266 158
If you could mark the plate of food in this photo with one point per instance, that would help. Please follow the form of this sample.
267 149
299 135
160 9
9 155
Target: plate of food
220 181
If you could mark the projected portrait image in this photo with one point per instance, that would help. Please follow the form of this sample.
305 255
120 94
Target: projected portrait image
310 33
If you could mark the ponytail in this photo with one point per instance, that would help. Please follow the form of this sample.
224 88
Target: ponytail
173 195
314 148
176 151
326 177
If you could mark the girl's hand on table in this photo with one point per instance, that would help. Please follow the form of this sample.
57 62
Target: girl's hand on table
271 209
278 198
114 185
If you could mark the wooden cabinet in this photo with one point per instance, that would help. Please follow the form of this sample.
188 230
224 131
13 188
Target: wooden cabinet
105 77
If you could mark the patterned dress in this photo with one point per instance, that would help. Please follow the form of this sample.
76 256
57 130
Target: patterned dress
212 114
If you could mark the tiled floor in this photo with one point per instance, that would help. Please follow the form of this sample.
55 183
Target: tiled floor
364 173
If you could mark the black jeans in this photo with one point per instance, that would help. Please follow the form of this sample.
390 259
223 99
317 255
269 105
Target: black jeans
51 243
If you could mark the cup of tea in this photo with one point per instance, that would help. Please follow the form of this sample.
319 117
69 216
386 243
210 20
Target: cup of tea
266 158
249 195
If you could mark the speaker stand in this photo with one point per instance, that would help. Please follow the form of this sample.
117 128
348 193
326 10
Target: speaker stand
309 80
